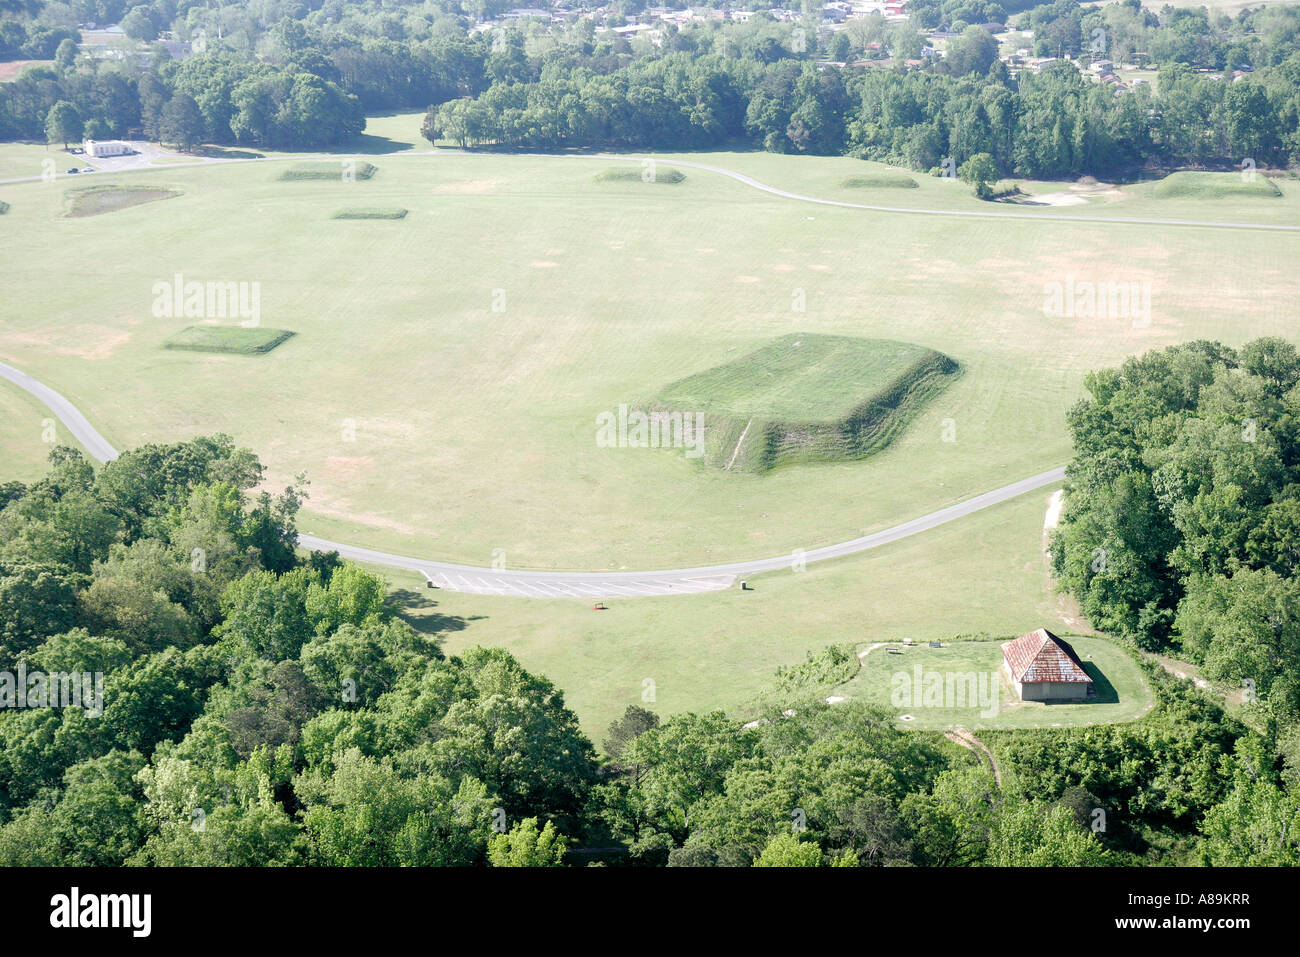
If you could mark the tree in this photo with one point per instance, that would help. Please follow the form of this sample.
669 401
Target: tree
787 850
66 54
63 123
981 172
526 846
635 722
138 25
182 122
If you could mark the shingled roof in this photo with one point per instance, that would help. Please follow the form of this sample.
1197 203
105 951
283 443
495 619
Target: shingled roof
1042 657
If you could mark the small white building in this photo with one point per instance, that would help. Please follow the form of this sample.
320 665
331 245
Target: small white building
107 148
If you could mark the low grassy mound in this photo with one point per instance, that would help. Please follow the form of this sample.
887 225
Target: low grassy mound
1193 185
662 174
808 398
879 181
370 212
237 339
329 169
95 200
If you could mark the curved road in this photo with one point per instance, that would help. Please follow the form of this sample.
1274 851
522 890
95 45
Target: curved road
537 584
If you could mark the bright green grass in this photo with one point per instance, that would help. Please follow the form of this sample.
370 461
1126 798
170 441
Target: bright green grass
808 397
28 159
255 340
985 573
1212 186
25 426
475 429
1122 694
97 200
879 181
337 171
663 175
370 212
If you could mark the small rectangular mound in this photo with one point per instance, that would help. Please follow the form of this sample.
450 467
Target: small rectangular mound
240 340
879 181
666 175
329 169
369 212
809 398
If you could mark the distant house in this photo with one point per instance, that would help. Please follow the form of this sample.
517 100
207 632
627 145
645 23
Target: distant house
106 148
1044 668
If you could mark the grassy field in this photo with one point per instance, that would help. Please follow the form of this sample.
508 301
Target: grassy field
25 427
985 573
991 702
517 302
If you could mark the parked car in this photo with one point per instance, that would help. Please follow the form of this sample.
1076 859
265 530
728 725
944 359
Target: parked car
74 170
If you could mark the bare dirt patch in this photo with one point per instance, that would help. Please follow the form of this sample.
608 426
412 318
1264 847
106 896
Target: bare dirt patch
82 341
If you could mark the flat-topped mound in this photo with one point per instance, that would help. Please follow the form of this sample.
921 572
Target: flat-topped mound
370 212
241 340
879 181
665 175
96 200
1189 184
330 169
810 398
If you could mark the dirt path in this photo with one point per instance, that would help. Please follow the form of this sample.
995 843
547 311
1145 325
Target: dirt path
739 443
960 735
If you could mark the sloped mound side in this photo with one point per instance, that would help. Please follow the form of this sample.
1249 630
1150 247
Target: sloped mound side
855 396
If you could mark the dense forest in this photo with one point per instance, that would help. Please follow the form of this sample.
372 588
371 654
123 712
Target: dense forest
261 707
283 75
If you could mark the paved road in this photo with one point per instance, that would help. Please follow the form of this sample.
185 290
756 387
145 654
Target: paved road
538 584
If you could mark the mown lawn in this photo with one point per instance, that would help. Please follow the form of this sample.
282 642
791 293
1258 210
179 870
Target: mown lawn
890 680
443 390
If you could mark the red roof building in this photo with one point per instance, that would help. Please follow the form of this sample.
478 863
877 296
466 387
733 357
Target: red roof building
1044 668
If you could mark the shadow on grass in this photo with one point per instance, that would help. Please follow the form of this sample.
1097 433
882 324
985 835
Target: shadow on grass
371 145
417 610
